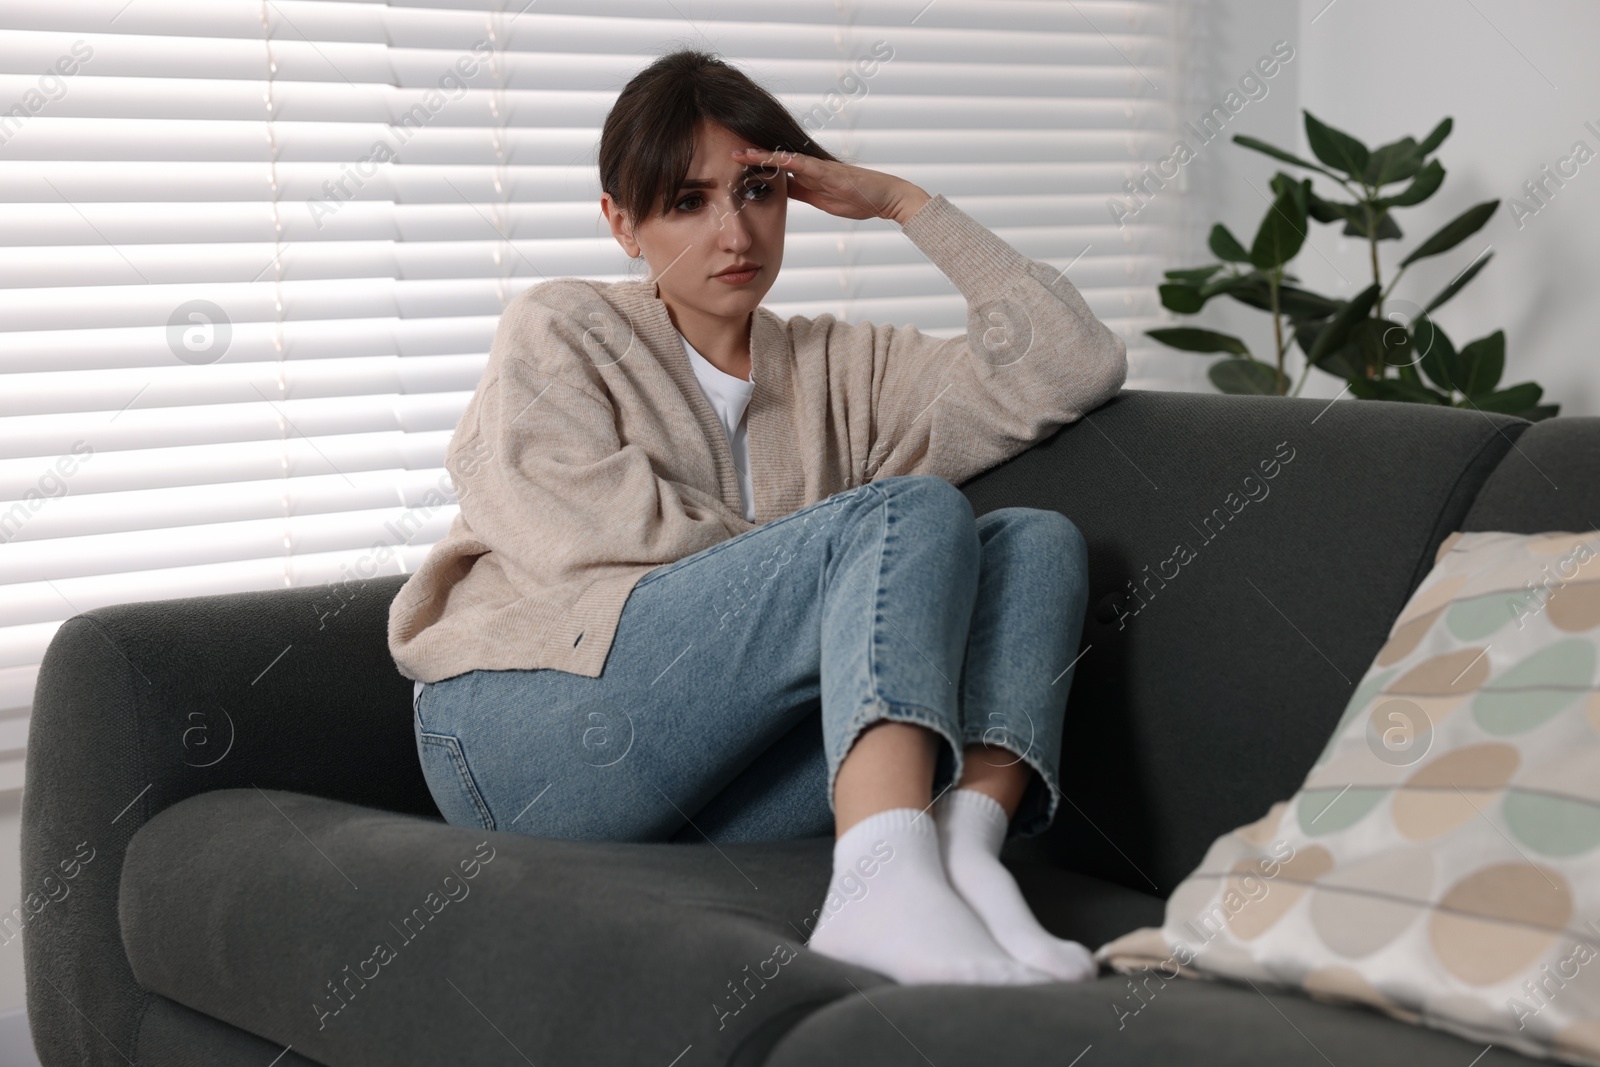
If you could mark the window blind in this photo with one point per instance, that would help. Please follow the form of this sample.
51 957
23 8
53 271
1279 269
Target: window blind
252 252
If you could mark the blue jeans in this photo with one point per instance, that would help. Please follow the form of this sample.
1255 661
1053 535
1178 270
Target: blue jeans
740 675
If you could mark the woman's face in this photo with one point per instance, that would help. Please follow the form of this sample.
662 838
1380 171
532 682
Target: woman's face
727 213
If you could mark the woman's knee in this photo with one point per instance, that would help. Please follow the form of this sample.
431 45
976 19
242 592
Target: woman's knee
937 512
1043 527
927 493
1045 545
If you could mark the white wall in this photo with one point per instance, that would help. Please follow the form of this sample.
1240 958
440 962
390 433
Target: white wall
11 987
16 1048
1520 83
1520 90
1226 182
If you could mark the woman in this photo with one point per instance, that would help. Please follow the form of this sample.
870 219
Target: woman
711 577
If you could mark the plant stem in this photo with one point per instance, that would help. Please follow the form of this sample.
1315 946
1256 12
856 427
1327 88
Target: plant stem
1273 281
1392 283
1377 278
1304 374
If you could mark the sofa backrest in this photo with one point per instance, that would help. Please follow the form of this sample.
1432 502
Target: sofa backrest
1549 481
1248 556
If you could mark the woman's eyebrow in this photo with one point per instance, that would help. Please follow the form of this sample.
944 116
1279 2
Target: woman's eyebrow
709 183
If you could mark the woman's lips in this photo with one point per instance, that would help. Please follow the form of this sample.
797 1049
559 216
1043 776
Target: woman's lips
738 278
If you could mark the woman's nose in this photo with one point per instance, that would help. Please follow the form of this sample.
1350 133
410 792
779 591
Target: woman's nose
733 233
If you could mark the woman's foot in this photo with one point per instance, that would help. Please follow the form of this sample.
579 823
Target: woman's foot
972 827
890 908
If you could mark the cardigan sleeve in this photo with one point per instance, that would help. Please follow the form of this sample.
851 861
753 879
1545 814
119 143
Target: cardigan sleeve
1034 358
544 480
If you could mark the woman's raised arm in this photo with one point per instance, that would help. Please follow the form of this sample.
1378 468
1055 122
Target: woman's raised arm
1034 358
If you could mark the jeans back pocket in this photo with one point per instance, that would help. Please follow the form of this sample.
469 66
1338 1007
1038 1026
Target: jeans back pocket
444 766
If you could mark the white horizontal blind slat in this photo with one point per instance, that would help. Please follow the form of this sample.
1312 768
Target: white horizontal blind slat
358 188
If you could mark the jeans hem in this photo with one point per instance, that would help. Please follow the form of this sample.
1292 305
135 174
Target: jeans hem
1034 822
881 710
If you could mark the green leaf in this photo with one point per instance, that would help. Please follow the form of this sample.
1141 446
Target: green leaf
1304 304
1341 362
1283 230
1281 183
1439 360
1356 226
1335 147
1396 349
1381 345
1326 210
1408 371
1244 376
1483 361
1226 284
1537 412
1278 153
1454 232
1436 138
1424 185
1507 401
1338 328
1305 334
1294 302
1460 280
1392 162
1391 389
1182 298
1415 394
1194 339
1224 245
1193 276
1189 290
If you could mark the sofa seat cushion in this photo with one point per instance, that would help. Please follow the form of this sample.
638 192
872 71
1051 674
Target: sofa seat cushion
1107 1023
361 936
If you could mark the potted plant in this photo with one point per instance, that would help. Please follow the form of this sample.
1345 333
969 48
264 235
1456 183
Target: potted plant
1367 339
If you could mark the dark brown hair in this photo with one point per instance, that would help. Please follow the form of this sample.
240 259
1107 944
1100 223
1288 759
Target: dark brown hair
647 142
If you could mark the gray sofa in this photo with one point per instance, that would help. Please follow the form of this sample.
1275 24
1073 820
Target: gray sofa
241 770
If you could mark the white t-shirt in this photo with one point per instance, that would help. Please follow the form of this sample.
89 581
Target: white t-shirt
729 396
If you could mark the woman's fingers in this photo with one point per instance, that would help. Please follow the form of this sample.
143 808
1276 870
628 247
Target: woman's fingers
781 158
799 167
827 185
774 161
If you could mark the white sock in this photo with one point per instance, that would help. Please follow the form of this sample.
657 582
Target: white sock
889 908
972 827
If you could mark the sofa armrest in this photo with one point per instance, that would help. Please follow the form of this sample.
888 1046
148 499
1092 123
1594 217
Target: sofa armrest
141 705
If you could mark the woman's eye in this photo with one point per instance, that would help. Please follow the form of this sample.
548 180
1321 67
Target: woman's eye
753 191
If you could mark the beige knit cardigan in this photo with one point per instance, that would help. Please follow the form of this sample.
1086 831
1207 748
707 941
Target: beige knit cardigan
589 455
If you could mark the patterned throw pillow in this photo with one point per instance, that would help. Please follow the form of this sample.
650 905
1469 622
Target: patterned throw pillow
1441 862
